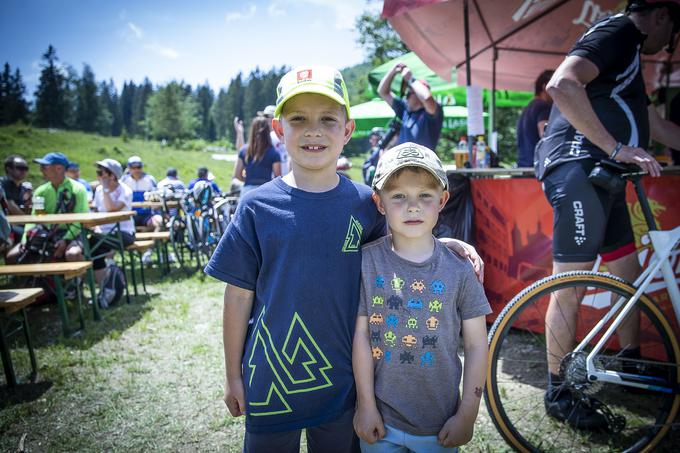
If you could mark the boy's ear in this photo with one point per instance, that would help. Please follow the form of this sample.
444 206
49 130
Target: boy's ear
378 203
349 130
277 127
443 199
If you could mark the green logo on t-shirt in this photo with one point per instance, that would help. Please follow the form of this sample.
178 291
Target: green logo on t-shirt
296 366
353 238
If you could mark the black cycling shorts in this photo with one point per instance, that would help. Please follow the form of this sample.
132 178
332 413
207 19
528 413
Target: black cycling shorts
587 219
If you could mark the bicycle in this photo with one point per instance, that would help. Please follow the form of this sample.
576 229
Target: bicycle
639 397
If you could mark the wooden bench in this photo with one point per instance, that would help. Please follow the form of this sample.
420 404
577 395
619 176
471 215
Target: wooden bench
162 238
137 249
12 305
59 271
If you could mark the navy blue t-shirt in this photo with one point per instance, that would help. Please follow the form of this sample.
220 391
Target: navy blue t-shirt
418 127
527 130
300 252
259 171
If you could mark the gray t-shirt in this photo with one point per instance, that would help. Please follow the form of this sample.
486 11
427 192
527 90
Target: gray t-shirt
415 312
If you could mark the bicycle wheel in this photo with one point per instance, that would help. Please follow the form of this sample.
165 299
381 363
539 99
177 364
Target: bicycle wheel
179 240
517 375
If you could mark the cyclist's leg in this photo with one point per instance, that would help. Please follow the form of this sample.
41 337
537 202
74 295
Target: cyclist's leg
580 213
620 256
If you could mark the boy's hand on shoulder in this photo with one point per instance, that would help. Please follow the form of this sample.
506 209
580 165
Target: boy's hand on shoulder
456 431
466 251
235 397
368 424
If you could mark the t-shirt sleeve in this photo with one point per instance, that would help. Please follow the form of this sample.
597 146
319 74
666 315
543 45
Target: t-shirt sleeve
275 155
608 45
237 258
471 298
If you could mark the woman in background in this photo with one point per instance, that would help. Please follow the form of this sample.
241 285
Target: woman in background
258 161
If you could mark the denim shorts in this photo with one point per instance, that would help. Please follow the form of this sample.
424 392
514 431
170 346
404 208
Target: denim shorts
396 441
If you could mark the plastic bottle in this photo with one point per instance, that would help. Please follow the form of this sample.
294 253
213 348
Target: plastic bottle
462 144
481 153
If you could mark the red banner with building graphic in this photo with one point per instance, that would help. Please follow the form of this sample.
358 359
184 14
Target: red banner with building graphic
513 228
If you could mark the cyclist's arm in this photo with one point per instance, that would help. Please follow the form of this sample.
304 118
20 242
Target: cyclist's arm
663 131
567 89
276 169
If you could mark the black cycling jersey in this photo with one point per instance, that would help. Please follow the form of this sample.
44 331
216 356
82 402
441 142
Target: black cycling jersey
617 96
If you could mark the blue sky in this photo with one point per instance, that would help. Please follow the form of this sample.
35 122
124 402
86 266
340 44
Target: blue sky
179 40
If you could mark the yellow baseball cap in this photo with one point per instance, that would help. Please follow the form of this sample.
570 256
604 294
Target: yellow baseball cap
317 79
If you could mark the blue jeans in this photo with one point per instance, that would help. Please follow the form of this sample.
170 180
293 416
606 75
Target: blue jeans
396 441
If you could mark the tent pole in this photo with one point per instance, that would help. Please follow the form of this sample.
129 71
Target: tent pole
466 22
492 109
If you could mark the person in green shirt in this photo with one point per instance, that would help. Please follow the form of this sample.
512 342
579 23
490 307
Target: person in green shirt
61 195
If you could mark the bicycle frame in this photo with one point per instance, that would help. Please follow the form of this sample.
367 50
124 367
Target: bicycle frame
663 243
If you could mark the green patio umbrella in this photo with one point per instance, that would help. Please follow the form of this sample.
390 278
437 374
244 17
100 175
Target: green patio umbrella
377 113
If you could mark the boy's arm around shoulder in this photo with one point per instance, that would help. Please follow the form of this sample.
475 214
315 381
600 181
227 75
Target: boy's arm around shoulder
368 423
458 429
238 303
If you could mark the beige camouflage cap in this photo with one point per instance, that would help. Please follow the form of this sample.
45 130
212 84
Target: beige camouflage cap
408 155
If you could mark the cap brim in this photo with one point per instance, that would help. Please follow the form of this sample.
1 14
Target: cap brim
378 185
313 89
41 162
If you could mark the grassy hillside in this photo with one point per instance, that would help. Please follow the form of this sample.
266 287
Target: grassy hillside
86 149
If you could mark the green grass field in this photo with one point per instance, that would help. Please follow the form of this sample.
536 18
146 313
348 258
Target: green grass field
86 149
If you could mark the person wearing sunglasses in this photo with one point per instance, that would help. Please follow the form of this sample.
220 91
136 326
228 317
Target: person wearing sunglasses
16 171
110 196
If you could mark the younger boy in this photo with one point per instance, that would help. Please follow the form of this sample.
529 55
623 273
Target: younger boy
291 259
415 297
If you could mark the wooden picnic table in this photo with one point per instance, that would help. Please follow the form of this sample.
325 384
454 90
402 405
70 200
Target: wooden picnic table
155 204
61 272
87 220
12 304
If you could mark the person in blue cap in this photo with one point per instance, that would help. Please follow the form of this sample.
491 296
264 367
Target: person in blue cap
60 195
73 172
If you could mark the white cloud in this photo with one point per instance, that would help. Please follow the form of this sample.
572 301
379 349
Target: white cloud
275 10
238 16
135 29
344 12
163 51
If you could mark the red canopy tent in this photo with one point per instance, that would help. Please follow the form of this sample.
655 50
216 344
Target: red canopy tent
515 39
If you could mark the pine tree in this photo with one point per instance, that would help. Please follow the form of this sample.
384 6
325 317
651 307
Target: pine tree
140 99
126 105
71 82
253 97
205 97
229 104
50 105
88 106
13 106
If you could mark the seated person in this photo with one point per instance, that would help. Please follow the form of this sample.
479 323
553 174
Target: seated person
140 183
203 174
171 180
73 172
110 196
59 195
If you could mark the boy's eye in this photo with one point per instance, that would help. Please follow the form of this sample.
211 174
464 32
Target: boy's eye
296 118
425 195
329 119
397 196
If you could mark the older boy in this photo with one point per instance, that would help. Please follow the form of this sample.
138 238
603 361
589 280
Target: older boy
415 297
291 258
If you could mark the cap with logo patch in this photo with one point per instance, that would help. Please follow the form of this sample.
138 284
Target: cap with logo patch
322 80
408 155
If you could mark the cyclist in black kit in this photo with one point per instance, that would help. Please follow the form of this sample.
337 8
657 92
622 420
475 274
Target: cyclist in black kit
600 111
